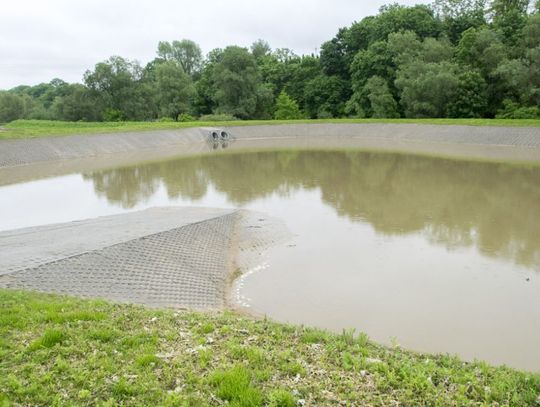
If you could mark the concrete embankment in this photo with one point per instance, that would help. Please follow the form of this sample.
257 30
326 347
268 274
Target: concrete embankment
27 159
162 257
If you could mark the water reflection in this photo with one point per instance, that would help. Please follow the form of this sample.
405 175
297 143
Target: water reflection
493 207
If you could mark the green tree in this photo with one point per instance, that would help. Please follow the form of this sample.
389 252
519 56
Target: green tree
286 108
265 102
471 96
236 83
458 16
297 73
427 89
11 107
186 53
381 100
374 61
334 56
204 102
509 18
482 49
118 85
175 90
260 49
521 78
436 50
394 18
404 47
531 32
77 104
325 96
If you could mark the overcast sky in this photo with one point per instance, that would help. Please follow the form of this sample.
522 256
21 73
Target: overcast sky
41 40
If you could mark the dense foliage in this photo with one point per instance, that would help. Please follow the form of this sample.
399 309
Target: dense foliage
454 58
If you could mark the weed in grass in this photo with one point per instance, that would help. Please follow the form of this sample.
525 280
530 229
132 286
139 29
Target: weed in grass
234 386
102 335
314 336
293 369
138 340
362 340
12 319
4 401
281 398
123 389
347 336
84 394
61 365
147 360
50 338
207 329
205 357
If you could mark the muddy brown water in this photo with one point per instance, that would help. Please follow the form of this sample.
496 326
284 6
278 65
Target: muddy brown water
436 255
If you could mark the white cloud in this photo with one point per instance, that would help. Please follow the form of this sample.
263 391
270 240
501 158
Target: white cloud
40 40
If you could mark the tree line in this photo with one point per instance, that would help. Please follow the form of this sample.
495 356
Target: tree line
453 58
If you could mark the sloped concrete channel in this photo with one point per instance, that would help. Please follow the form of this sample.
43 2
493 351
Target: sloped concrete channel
161 257
185 257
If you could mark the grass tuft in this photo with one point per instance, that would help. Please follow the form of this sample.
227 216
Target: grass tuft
281 398
102 335
147 360
234 386
50 338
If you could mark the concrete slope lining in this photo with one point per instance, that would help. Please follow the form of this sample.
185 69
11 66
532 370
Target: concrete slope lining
484 135
164 143
14 152
189 266
38 245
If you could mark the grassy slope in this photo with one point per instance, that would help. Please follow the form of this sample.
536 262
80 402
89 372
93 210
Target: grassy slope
40 128
64 351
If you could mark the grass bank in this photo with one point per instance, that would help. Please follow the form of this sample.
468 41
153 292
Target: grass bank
64 351
41 128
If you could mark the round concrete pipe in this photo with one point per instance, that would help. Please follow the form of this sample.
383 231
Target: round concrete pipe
215 135
224 135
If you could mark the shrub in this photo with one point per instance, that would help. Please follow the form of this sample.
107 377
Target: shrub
186 117
286 108
113 115
514 111
324 113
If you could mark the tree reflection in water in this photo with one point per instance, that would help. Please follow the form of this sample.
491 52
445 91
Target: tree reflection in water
454 203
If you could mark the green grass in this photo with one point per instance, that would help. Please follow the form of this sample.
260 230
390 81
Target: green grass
52 352
41 128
